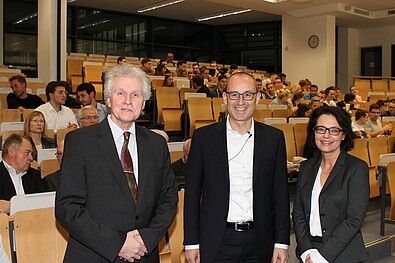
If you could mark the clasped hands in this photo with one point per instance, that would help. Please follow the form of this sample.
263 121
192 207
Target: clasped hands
133 248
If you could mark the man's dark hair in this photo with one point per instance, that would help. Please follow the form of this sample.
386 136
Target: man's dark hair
14 141
222 77
314 86
359 114
119 59
202 69
88 87
51 87
162 60
145 60
198 80
282 75
374 106
328 90
180 62
302 82
195 64
21 79
234 66
381 103
349 97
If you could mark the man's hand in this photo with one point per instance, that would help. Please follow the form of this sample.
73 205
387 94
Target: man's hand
280 255
308 259
4 206
192 256
133 248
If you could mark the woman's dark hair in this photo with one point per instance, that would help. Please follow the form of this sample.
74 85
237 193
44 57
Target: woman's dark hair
341 117
301 111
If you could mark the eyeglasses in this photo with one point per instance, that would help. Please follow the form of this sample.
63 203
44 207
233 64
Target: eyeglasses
332 130
94 117
234 95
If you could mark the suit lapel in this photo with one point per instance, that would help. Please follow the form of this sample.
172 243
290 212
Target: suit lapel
336 169
222 149
109 151
143 155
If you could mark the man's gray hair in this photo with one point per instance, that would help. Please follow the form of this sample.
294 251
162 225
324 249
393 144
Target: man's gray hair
87 107
127 71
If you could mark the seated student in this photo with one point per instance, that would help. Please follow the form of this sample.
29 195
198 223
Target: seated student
56 114
302 111
19 98
297 98
121 60
71 102
197 83
53 178
315 103
34 129
330 93
361 117
88 116
391 109
168 81
269 92
348 99
217 91
355 91
312 92
373 125
16 175
383 106
283 98
179 165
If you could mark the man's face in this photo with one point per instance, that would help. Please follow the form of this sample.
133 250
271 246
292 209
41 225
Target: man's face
164 63
59 151
331 95
338 93
222 84
391 108
313 91
205 74
59 96
85 98
374 114
182 66
88 118
364 119
354 90
273 78
270 89
147 65
315 105
170 57
321 96
22 157
123 62
241 110
126 101
195 68
19 89
213 65
259 84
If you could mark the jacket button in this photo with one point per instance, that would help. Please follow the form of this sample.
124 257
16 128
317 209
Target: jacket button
322 215
323 230
137 217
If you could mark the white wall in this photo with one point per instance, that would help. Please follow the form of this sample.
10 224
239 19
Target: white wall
299 61
348 58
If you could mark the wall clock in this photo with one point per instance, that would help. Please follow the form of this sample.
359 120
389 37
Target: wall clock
314 41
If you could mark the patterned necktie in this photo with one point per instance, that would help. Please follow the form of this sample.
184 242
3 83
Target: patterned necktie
127 165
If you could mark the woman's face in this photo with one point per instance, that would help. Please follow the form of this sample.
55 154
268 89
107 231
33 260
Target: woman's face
170 81
285 98
326 142
37 124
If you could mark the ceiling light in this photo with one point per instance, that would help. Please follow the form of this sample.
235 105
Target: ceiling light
223 14
158 5
274 1
95 23
25 18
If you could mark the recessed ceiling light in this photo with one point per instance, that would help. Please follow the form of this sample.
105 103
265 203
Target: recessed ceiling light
223 14
158 5
274 1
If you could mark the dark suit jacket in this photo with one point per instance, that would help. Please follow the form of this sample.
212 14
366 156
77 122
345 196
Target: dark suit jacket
208 180
343 203
94 202
53 180
32 183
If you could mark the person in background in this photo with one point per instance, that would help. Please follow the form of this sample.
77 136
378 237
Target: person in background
198 84
283 77
330 93
71 102
315 103
86 94
383 106
121 60
179 165
34 129
195 68
321 95
19 98
269 92
161 70
373 125
355 91
168 81
16 175
297 98
87 116
337 94
146 66
391 109
312 92
170 58
217 91
332 193
303 110
348 99
181 65
214 72
358 126
53 178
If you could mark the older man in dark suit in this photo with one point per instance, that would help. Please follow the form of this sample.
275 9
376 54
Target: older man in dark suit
16 175
117 194
236 199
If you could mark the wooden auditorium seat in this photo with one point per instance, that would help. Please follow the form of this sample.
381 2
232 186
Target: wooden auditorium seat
300 133
199 109
5 233
288 130
48 167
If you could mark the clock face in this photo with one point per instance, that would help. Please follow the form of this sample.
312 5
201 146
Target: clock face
314 41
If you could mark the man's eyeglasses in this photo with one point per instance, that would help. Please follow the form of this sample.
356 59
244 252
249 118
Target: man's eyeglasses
234 95
94 117
332 131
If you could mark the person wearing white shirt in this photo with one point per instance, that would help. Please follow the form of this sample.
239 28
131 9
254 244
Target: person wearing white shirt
237 169
57 116
16 175
332 193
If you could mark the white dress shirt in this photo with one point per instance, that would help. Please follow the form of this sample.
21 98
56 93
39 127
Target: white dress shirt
57 120
117 134
16 179
315 221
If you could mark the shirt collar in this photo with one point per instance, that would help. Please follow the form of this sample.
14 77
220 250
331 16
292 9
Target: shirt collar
12 171
229 128
117 131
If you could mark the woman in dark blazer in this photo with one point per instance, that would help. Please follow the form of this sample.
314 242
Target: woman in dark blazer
34 128
332 193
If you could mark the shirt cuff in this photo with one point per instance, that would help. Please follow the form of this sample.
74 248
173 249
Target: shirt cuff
190 247
306 253
283 246
318 258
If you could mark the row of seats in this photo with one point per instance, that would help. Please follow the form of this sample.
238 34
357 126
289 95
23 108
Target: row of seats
379 84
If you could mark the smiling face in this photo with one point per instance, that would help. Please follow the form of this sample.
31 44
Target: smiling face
126 101
327 143
241 110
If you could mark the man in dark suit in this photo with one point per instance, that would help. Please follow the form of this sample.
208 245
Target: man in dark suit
16 175
236 199
179 165
116 211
